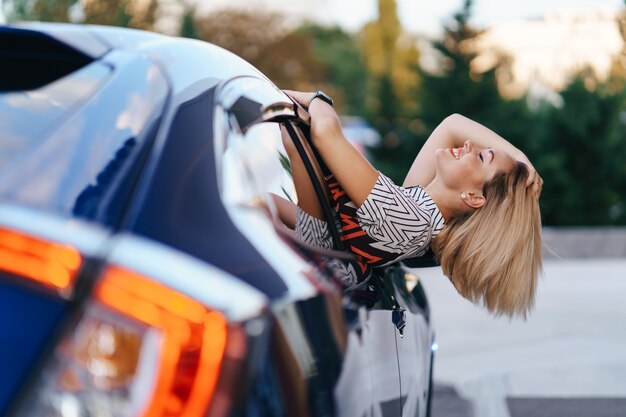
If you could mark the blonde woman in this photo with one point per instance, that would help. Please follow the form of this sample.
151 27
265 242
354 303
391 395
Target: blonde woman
470 195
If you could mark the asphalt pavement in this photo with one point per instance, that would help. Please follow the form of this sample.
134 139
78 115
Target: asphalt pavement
567 359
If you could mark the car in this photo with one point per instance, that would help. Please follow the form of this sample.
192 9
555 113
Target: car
143 268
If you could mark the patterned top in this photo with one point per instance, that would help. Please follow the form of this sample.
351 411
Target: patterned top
393 223
400 220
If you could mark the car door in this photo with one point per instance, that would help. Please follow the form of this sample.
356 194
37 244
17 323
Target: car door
395 327
373 302
310 338
415 341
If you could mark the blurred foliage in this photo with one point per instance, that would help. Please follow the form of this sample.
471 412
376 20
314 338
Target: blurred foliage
391 56
140 14
188 24
582 156
261 38
579 146
342 59
44 10
129 13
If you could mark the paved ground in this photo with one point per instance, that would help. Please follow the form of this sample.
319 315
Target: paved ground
448 403
569 355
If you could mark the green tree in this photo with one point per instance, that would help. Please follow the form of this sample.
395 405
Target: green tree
261 38
344 69
391 57
43 10
583 158
188 25
128 13
455 88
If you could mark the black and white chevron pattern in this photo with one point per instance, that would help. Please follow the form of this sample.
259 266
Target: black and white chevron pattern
312 231
400 220
349 274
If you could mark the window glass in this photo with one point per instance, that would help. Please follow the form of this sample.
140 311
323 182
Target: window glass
256 165
25 116
90 153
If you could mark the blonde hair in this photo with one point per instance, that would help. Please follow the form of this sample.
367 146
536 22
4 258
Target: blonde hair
492 255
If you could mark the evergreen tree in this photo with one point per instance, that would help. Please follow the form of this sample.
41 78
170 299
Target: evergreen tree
583 158
455 89
188 25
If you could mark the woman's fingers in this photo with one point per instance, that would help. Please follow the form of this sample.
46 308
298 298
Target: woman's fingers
534 180
303 98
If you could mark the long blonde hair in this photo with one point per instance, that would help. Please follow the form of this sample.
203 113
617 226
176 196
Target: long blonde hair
493 254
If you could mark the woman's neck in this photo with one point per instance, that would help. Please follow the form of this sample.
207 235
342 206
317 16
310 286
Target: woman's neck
448 203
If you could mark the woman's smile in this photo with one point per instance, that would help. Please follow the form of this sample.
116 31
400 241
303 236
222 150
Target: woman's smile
455 152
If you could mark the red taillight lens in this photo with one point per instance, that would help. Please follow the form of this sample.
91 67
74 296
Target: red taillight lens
139 348
193 340
51 264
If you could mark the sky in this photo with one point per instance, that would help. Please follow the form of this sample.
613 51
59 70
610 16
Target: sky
420 16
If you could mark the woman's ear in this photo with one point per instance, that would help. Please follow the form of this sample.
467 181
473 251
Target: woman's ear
473 200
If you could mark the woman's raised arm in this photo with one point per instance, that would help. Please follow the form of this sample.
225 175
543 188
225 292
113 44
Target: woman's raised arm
452 132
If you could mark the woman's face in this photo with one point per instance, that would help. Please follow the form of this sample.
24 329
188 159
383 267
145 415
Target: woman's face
466 169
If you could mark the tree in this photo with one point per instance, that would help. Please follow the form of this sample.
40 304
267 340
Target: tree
127 13
140 14
583 157
344 67
455 88
391 57
261 38
188 25
43 10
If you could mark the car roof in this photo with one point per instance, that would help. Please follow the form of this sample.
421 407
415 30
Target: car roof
184 61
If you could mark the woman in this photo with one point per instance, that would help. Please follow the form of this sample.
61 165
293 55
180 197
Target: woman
469 194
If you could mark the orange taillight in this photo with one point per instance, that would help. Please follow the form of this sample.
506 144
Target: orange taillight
193 340
53 264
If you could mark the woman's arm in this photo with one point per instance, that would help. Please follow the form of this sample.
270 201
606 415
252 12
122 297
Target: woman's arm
452 132
355 174
286 210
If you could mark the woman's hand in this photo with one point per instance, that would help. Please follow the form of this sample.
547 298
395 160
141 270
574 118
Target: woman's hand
303 98
355 174
534 179
324 120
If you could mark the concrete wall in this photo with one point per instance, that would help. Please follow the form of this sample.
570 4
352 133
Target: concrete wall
585 242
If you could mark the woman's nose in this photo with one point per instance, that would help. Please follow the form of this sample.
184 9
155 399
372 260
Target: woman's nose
469 147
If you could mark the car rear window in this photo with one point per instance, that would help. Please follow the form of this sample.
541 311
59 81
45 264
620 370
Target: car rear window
26 116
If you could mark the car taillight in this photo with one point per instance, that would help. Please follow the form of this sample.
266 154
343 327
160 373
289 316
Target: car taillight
53 265
140 349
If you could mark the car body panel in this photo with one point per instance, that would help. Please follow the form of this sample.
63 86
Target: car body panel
29 319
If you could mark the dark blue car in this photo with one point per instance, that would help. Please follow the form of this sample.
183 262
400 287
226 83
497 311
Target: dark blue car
143 268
